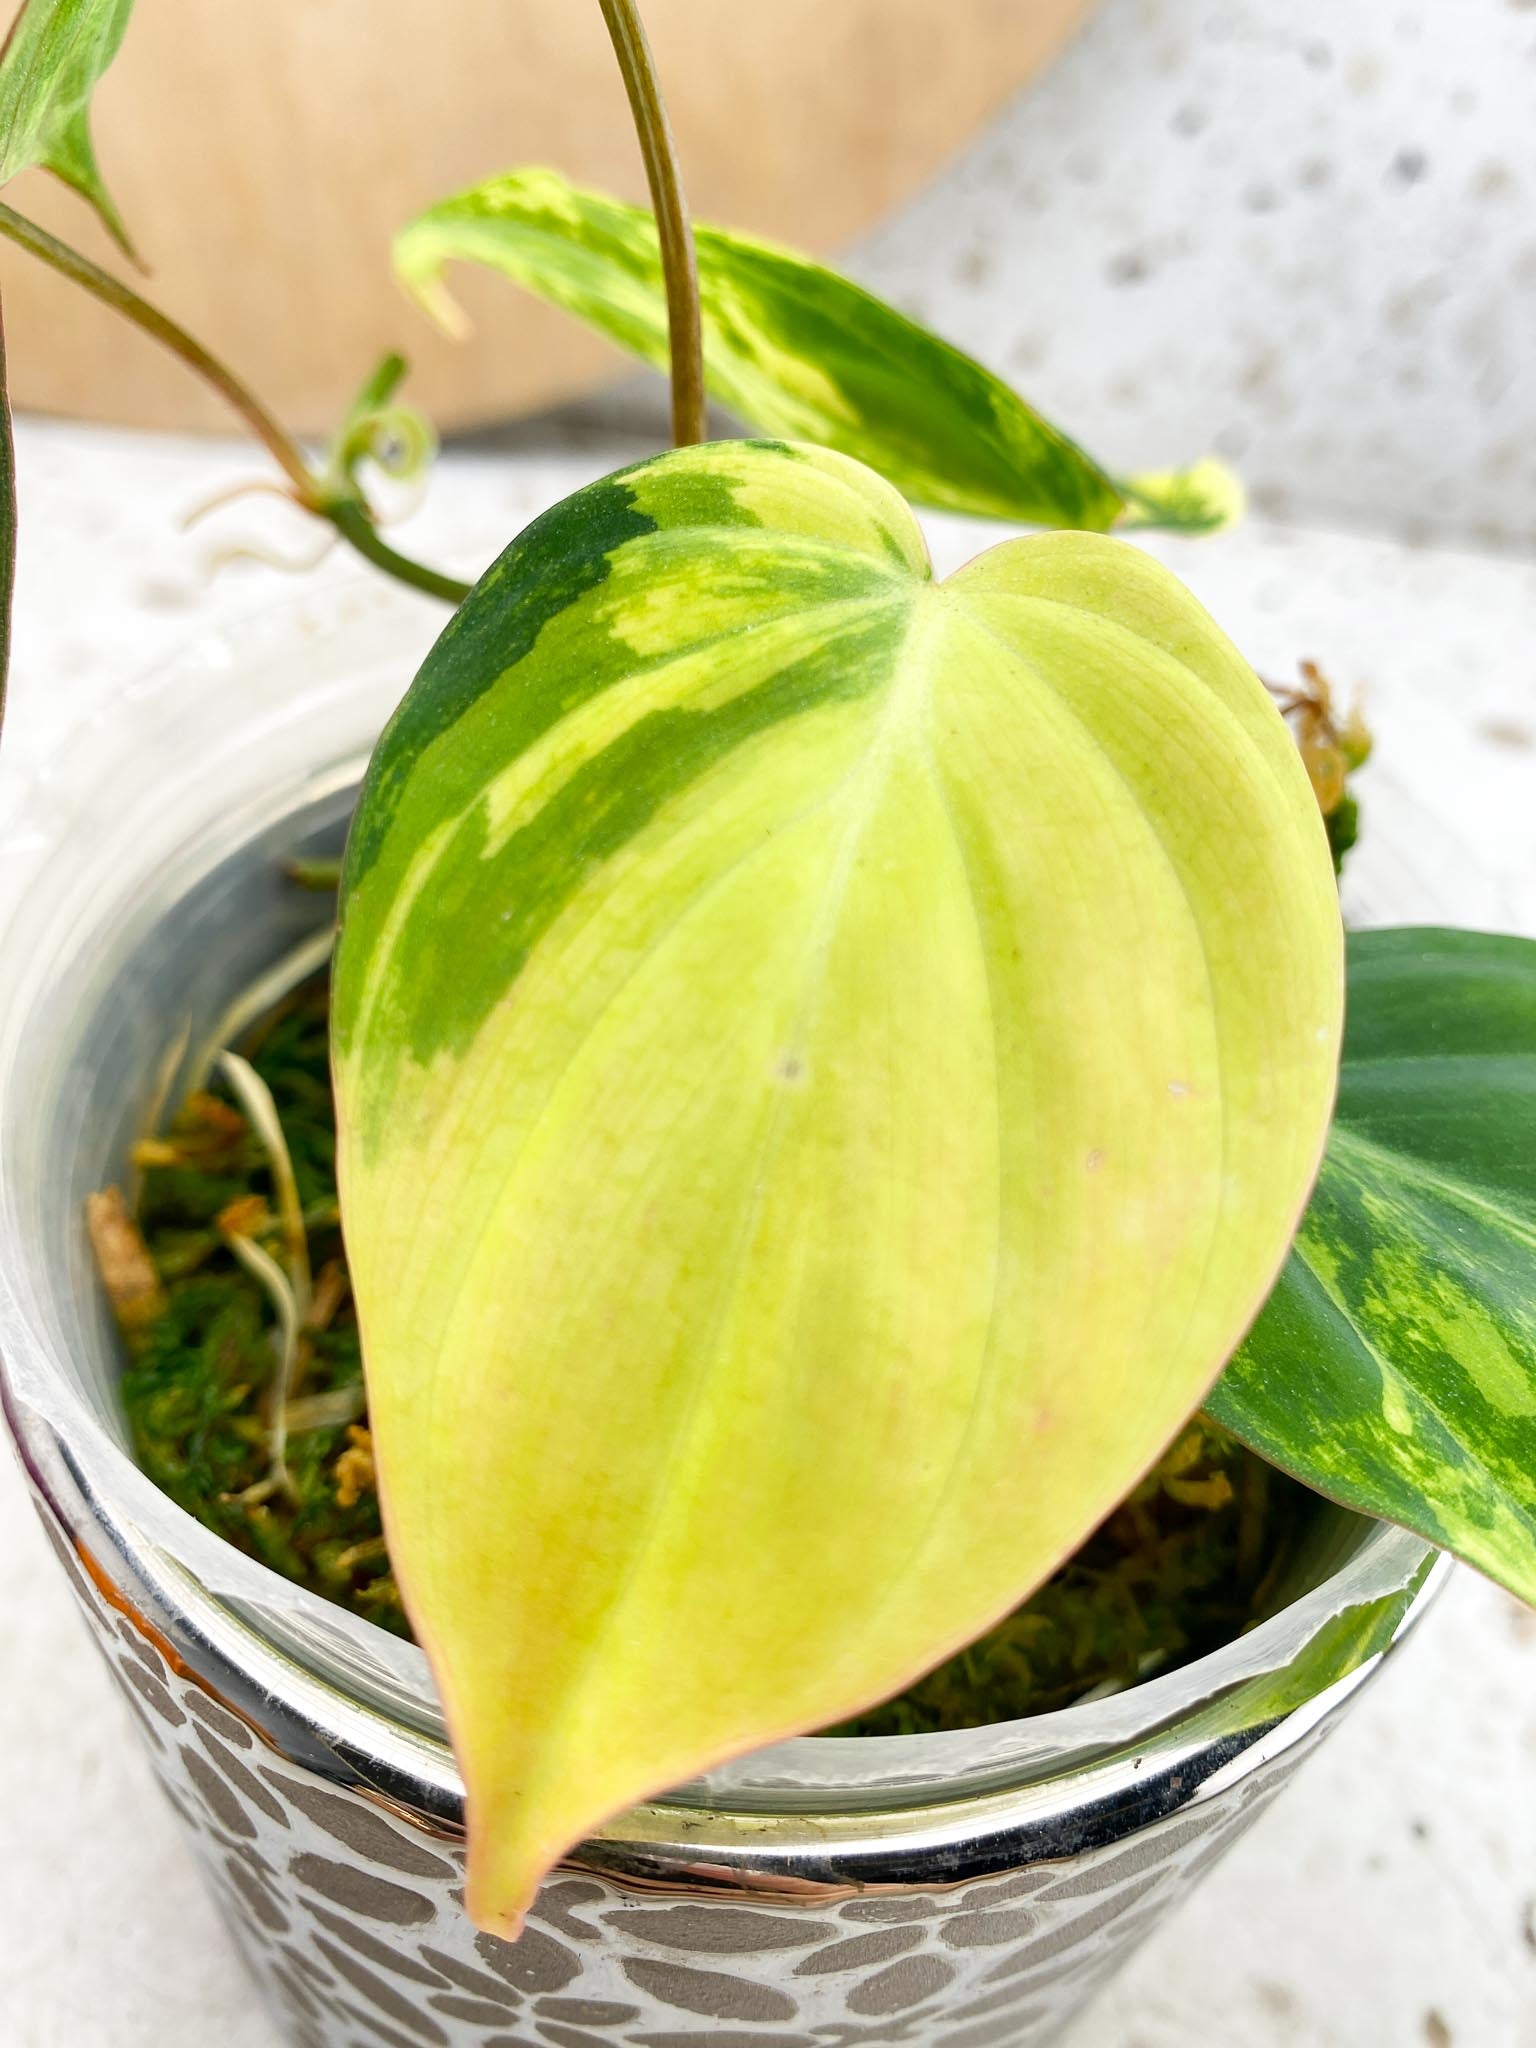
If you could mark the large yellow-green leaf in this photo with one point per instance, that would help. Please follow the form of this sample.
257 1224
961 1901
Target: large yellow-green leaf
789 345
54 55
1394 1367
829 1064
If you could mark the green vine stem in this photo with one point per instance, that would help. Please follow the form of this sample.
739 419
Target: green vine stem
678 260
346 511
353 521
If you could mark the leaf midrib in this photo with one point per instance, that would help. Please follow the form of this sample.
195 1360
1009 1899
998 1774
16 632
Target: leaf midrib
867 776
1408 1166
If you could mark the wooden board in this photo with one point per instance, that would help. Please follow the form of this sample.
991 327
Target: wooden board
263 153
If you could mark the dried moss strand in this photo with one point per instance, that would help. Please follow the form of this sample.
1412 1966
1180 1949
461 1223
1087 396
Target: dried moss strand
255 1098
264 1269
297 966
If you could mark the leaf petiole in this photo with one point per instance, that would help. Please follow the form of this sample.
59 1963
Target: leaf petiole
679 261
339 503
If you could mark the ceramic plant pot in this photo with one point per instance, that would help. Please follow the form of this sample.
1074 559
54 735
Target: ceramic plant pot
962 1888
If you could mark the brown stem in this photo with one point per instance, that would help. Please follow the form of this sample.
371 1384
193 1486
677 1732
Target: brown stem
679 263
101 284
345 511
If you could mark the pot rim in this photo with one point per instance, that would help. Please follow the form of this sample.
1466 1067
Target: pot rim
312 681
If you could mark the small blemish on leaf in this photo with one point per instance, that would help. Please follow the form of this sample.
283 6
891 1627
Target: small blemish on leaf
790 1067
1095 1160
1178 1088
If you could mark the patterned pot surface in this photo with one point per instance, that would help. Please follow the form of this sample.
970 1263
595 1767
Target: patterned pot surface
342 1881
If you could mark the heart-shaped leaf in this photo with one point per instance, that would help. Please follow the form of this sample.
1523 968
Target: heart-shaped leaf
1395 1365
789 345
829 1065
54 55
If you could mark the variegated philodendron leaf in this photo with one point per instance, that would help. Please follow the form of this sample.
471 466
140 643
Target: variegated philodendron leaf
829 1064
1395 1365
1204 498
797 350
54 55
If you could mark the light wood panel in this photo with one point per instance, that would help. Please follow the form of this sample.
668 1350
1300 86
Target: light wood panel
263 153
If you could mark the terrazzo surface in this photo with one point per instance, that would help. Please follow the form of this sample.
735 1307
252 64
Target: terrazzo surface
1304 236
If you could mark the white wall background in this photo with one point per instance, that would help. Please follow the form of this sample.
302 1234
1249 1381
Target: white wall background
1301 233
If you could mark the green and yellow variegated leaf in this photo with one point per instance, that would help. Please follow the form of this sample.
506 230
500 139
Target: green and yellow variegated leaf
1205 498
829 1064
54 55
790 346
1395 1365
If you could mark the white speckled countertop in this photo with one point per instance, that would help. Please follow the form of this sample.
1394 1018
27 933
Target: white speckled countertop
1302 236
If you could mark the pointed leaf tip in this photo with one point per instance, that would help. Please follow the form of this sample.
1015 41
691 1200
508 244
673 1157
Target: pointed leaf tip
828 1065
1206 498
51 62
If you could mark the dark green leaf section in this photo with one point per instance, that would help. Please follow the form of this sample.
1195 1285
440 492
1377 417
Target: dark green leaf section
551 565
632 573
594 814
53 57
1394 1367
791 346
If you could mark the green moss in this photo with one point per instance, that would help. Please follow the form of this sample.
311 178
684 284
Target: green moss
1180 1567
196 1386
1177 1569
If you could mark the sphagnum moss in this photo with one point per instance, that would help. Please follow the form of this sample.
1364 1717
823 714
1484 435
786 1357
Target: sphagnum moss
1182 1565
198 1384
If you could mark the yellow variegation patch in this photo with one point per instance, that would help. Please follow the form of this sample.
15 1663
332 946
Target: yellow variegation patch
792 347
1394 1367
829 1065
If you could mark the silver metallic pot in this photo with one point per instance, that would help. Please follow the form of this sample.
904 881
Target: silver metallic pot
963 1889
